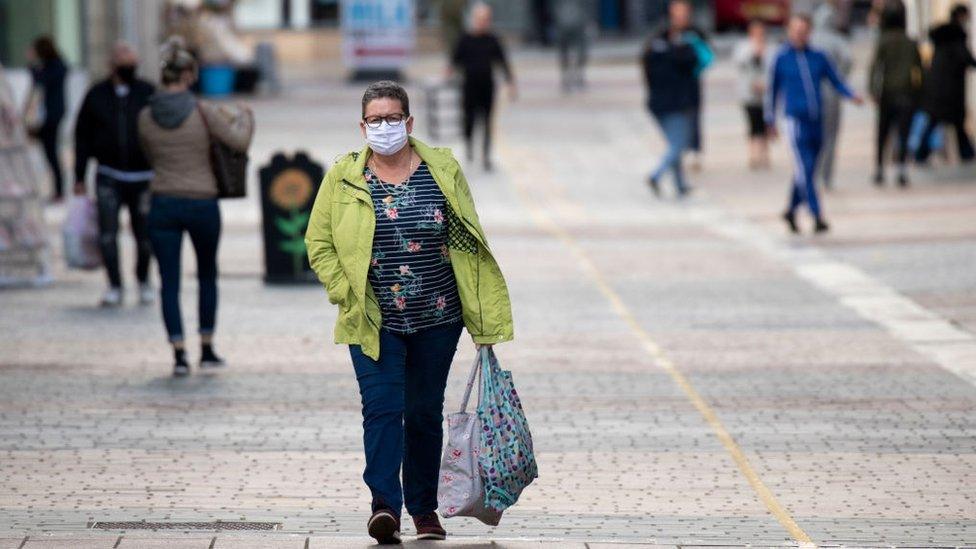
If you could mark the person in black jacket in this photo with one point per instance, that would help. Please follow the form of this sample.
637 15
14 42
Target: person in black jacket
476 55
107 132
48 72
944 95
669 63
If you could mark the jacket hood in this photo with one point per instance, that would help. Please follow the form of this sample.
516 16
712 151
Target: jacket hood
947 32
169 110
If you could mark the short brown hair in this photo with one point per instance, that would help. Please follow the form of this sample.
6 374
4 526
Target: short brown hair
388 89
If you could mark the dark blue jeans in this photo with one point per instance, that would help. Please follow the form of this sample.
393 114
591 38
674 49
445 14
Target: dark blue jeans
169 218
403 403
677 129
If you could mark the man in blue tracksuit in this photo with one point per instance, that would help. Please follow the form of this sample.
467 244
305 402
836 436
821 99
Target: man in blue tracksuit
795 78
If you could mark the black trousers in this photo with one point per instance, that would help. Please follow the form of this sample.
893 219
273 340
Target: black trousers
48 136
478 98
111 195
965 145
898 117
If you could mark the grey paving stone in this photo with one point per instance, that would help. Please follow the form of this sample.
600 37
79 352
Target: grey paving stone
255 541
68 543
165 541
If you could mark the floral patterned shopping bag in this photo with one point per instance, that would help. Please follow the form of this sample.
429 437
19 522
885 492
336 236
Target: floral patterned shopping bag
507 460
459 490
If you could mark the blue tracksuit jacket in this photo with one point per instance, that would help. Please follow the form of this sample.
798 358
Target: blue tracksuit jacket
795 77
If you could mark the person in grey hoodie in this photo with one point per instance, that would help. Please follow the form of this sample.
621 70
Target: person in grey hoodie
571 37
175 130
827 38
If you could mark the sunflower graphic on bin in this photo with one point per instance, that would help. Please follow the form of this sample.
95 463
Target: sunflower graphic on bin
288 188
290 192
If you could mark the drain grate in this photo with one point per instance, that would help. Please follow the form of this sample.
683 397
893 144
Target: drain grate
209 526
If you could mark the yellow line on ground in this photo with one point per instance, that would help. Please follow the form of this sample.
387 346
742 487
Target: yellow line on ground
660 359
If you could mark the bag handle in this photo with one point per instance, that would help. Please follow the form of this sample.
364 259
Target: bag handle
475 370
206 125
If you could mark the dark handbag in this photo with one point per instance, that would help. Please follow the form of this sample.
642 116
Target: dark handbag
229 166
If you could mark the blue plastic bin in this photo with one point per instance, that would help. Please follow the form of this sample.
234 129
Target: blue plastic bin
216 80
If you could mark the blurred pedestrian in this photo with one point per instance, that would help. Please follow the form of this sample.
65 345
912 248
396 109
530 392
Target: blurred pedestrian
669 61
680 23
571 37
176 131
752 58
476 55
49 73
944 96
107 131
795 78
894 81
395 240
827 38
22 228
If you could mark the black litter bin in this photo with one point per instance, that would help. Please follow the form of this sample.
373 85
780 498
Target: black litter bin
288 189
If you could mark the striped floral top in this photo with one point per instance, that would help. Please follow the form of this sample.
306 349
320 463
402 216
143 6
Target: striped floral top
410 270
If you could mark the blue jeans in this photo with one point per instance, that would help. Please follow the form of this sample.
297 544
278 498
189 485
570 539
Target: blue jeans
806 139
403 402
169 218
677 128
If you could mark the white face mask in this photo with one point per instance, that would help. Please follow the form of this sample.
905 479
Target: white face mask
386 139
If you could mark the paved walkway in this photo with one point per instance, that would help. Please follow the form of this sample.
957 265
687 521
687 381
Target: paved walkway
692 375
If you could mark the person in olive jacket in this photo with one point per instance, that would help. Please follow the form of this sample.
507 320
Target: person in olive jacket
945 83
107 131
395 239
895 83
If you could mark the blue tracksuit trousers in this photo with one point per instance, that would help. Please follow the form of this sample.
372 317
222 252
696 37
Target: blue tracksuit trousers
806 139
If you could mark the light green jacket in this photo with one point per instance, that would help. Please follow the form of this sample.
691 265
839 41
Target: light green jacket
340 244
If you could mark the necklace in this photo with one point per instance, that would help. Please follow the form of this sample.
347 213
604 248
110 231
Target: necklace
410 170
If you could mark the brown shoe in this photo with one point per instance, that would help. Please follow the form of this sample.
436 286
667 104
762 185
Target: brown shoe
429 527
384 527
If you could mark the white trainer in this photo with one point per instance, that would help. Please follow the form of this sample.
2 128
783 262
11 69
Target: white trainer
147 294
112 298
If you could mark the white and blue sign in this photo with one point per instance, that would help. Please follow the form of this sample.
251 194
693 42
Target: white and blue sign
377 34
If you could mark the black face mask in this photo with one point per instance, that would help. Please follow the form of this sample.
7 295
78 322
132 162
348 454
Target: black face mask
126 73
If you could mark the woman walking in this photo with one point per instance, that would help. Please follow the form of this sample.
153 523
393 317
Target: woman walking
752 58
49 72
944 96
395 240
669 61
175 130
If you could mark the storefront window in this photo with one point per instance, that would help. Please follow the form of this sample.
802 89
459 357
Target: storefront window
324 12
20 23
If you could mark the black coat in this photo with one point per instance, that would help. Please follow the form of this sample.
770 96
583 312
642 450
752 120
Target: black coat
107 128
944 95
50 77
669 72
